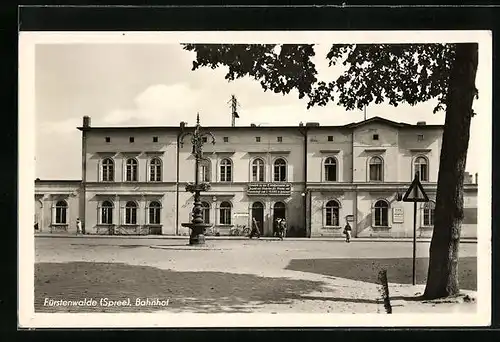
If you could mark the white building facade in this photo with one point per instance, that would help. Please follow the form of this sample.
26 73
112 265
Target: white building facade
317 177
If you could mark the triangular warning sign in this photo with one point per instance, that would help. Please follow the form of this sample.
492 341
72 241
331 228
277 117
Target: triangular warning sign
415 193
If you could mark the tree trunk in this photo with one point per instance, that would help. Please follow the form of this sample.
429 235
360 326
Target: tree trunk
442 278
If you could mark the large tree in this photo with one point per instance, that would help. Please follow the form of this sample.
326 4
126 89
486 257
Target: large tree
375 73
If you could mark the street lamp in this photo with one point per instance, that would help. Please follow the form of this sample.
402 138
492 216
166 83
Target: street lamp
197 226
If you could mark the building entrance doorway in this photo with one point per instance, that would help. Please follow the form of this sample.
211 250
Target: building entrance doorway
279 211
38 216
258 215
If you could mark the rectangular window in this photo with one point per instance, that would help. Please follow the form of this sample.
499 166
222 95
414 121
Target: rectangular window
204 139
206 214
423 173
225 173
130 215
376 172
108 139
131 139
225 215
205 172
420 137
280 173
155 139
107 215
375 137
381 217
428 217
330 173
332 217
226 139
257 139
61 215
280 139
154 215
330 138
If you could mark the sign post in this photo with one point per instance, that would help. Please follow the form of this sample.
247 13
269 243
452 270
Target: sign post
415 193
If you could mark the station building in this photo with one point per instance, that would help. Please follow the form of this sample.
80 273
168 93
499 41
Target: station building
316 177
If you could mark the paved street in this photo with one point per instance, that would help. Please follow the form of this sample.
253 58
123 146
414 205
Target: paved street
236 275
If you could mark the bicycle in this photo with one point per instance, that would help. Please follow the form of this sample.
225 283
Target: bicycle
239 230
210 231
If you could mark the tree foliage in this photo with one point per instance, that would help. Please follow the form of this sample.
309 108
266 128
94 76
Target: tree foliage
373 73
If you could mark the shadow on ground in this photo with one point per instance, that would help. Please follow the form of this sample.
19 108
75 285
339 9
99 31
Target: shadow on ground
399 270
204 292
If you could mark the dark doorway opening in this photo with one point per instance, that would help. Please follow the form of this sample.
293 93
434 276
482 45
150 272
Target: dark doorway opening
279 211
258 215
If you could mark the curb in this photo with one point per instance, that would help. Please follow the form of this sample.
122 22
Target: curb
230 238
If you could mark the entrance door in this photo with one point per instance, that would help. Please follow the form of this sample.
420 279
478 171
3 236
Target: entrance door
38 216
258 215
279 211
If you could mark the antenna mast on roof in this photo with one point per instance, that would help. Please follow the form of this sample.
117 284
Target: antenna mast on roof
234 114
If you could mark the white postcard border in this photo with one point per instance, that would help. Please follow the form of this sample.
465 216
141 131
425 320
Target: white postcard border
26 144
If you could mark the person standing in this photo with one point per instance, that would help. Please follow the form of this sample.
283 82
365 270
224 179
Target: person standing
282 230
78 226
347 232
255 228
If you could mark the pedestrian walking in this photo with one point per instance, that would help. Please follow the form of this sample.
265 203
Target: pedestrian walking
78 226
281 223
276 227
255 228
282 230
347 232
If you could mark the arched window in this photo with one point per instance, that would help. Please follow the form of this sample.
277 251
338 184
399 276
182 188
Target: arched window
205 211
225 213
381 214
280 170
422 168
258 170
428 213
226 174
154 213
330 169
131 175
61 212
155 170
131 213
107 212
332 213
376 169
205 170
108 170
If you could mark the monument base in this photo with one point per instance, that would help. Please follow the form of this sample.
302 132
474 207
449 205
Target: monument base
197 236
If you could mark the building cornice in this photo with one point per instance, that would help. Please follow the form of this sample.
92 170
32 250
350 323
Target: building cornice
382 186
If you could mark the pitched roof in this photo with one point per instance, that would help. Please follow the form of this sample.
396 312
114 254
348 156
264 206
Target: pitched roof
378 119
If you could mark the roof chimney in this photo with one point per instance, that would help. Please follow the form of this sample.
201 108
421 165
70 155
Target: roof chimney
253 125
421 123
86 122
476 178
312 124
183 124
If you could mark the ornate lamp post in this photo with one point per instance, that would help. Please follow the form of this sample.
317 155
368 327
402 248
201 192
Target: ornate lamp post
197 226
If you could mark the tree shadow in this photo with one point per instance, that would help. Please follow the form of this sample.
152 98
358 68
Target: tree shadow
399 270
203 292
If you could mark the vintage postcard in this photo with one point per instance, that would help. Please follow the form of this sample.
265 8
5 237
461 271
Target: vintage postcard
255 179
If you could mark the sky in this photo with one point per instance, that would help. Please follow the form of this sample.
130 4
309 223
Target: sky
153 84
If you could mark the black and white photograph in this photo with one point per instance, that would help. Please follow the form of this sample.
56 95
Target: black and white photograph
255 179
